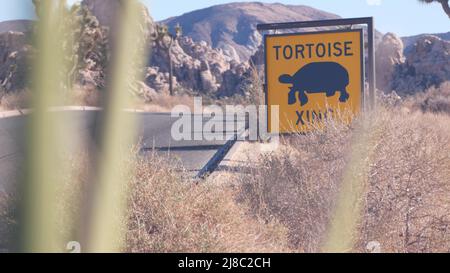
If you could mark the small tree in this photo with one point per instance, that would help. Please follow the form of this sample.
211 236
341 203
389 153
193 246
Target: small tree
445 4
90 42
85 42
165 40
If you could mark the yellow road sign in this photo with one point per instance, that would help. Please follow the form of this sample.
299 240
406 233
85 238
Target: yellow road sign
313 75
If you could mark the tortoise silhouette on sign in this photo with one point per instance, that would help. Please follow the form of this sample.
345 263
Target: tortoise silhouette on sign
320 77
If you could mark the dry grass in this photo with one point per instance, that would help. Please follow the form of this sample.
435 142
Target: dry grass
407 204
165 103
285 202
171 215
434 100
297 185
85 97
74 177
167 213
13 101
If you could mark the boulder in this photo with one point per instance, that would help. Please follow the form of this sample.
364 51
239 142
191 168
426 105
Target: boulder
234 80
389 54
208 81
146 93
197 66
158 81
427 64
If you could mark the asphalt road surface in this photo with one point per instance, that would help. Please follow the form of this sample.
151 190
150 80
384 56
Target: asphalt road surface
154 134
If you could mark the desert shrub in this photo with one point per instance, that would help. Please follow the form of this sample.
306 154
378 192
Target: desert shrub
15 100
435 100
84 96
164 102
286 200
168 214
73 178
405 205
406 202
297 184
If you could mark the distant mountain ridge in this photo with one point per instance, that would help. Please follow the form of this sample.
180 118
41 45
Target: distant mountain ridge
411 40
16 26
212 55
232 27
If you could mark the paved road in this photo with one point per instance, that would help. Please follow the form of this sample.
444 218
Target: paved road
154 133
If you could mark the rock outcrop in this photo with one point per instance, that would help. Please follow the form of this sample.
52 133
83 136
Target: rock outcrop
14 53
427 64
158 81
196 66
389 54
235 80
214 66
410 41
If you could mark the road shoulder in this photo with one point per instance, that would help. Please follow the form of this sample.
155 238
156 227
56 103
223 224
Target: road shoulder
241 156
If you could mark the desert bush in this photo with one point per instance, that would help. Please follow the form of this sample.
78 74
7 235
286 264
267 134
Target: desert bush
405 205
84 96
15 100
406 202
285 201
297 184
74 177
164 102
435 100
168 214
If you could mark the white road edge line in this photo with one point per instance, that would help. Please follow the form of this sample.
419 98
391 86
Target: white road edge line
22 112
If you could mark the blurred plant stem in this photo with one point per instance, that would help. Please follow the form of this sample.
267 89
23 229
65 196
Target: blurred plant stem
105 212
38 210
343 229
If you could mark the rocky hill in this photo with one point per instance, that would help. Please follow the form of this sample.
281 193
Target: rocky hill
196 65
409 41
232 27
16 26
426 63
211 57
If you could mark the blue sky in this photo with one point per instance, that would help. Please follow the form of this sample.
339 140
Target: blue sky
405 17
